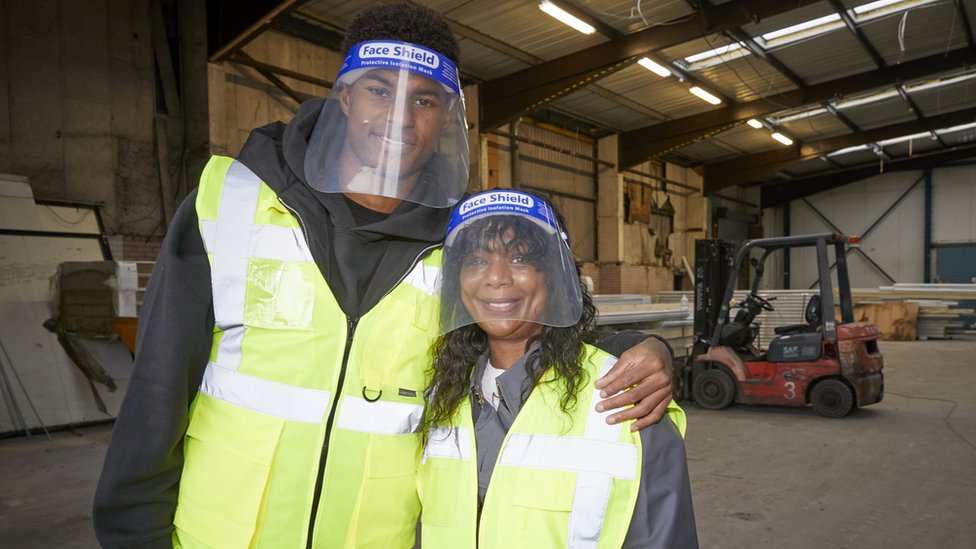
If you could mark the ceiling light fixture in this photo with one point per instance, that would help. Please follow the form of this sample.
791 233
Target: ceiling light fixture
565 17
781 138
705 96
657 69
754 123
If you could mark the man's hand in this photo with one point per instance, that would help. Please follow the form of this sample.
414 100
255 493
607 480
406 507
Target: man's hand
643 373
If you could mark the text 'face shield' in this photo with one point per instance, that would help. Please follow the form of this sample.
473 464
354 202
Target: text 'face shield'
393 126
507 266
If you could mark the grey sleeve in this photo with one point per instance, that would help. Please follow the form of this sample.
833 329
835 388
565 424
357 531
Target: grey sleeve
137 491
664 517
616 343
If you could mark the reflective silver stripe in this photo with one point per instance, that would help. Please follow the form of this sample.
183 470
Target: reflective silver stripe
229 349
611 459
593 488
264 396
425 277
208 228
279 243
379 417
448 442
266 242
235 214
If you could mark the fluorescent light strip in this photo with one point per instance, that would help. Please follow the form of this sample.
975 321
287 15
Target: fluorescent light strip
781 138
754 123
565 17
657 69
705 96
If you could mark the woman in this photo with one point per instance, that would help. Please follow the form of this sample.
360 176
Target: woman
516 455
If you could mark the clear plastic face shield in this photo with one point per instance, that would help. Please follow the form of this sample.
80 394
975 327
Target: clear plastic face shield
507 263
393 126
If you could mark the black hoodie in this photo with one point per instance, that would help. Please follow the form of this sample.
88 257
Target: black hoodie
361 254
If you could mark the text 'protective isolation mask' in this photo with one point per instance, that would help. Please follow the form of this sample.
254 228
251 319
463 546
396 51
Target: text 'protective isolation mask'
506 258
393 126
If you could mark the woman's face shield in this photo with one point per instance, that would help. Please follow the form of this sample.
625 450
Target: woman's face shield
393 126
507 267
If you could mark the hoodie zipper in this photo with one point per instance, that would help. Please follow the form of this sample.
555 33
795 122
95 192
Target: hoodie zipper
351 324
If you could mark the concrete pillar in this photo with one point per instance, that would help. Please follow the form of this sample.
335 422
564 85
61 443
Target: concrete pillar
610 205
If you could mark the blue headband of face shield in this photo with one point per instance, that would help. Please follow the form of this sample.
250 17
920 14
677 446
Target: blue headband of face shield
503 202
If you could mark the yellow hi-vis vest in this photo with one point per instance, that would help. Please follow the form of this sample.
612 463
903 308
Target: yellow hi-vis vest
275 393
558 482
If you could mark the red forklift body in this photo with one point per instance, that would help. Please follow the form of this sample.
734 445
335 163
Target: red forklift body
834 366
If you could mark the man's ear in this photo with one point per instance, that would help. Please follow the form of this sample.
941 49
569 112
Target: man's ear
344 100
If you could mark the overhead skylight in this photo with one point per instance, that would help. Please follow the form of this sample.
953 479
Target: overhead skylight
958 128
881 8
802 31
715 56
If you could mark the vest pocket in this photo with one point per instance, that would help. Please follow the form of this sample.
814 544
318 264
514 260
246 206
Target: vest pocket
390 492
544 489
228 456
440 482
279 295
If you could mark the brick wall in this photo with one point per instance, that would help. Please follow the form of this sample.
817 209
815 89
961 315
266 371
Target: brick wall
140 248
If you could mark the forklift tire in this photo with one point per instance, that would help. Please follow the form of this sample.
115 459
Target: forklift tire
832 398
713 389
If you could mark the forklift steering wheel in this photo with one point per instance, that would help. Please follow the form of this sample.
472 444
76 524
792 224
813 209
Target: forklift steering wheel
764 303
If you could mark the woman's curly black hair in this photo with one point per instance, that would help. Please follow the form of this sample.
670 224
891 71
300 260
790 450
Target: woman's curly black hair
456 353
404 23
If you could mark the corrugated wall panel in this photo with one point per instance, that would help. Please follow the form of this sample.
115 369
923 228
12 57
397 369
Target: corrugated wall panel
896 244
954 204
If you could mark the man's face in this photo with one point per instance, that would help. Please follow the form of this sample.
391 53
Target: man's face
394 122
499 285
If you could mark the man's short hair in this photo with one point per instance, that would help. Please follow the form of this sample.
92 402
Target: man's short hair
405 23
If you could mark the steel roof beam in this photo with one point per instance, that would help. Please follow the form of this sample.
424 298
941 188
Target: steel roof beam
841 116
748 169
252 30
509 96
856 31
782 193
640 145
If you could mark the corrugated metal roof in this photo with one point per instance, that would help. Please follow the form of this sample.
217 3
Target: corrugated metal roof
928 29
881 113
826 57
706 151
519 24
746 79
749 139
628 16
815 128
945 99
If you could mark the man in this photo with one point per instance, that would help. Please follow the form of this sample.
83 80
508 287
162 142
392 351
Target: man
284 338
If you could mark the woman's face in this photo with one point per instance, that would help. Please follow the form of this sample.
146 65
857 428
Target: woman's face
502 292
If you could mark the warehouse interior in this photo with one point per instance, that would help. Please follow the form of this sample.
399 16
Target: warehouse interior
650 125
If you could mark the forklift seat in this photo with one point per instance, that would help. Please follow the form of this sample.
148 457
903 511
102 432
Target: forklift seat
812 315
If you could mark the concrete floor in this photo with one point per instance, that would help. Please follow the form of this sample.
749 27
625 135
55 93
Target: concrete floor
898 475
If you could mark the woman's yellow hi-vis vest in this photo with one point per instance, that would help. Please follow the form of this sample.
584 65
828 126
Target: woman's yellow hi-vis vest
559 481
275 388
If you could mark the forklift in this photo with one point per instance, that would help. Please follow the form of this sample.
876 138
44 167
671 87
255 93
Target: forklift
834 366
